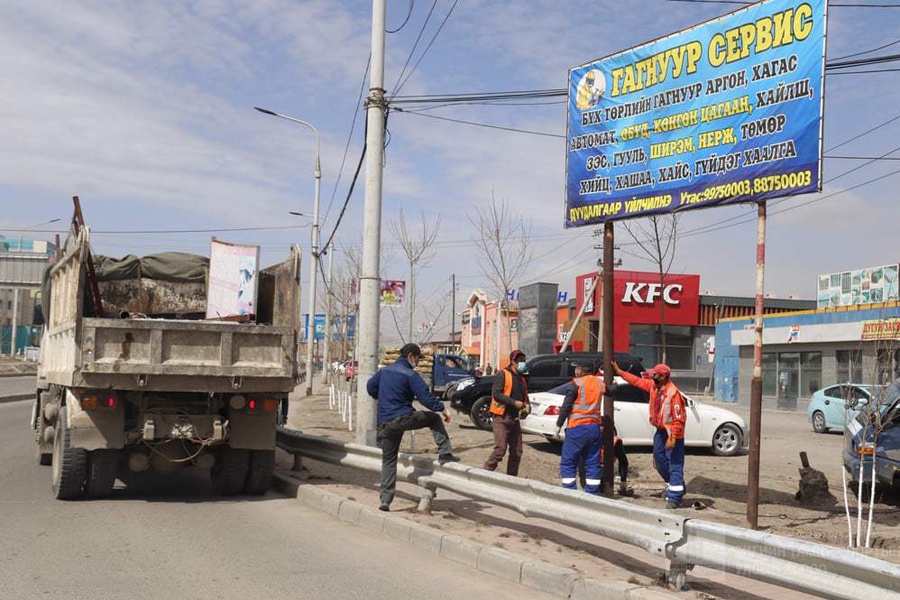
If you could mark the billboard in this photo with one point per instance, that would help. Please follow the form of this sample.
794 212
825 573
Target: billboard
233 280
728 111
862 286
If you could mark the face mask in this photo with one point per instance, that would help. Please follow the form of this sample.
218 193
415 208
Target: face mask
520 366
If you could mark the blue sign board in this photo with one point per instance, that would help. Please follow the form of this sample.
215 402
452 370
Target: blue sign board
728 111
337 327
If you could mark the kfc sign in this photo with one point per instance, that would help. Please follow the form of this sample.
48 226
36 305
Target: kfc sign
648 293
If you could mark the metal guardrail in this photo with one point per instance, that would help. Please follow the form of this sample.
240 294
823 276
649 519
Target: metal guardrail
804 566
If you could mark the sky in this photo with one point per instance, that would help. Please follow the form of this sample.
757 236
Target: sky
145 111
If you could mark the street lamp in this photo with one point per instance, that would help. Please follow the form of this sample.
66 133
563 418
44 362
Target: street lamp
314 263
22 237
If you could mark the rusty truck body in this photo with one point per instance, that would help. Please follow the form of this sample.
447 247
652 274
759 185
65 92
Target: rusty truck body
129 391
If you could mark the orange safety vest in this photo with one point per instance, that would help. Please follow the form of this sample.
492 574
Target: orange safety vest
499 408
586 408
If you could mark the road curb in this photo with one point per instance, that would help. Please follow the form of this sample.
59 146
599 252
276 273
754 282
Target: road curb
16 398
542 576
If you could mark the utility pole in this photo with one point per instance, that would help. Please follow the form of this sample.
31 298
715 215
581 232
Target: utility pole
452 306
609 452
756 382
326 362
410 291
369 318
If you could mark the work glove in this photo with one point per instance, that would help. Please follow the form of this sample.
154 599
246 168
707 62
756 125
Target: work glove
670 443
526 410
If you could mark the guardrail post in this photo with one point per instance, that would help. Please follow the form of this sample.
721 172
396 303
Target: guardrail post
425 500
298 463
676 576
350 412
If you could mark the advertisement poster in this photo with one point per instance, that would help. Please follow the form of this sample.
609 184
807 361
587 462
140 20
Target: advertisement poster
392 292
862 286
728 111
233 280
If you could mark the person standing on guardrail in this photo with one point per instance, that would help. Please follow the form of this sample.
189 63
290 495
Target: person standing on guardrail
668 413
584 437
509 400
395 387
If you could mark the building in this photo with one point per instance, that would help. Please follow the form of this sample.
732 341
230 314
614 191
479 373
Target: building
17 304
489 330
641 303
807 350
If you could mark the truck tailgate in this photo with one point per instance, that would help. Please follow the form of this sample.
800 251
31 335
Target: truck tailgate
170 347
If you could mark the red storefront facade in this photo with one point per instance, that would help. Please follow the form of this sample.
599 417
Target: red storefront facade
641 303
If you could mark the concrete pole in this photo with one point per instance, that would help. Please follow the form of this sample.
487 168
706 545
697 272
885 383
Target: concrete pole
756 382
369 319
326 361
15 323
453 308
313 278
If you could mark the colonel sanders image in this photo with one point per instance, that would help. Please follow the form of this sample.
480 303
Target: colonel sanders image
590 89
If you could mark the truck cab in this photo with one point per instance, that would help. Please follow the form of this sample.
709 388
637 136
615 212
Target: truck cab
448 368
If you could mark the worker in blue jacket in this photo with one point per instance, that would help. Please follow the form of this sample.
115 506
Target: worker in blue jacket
395 387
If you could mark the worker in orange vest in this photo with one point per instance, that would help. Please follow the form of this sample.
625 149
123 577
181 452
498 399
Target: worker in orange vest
668 413
509 402
584 438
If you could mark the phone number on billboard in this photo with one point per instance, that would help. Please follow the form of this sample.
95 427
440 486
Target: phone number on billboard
759 185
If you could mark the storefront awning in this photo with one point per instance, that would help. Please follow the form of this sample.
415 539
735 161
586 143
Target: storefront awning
472 350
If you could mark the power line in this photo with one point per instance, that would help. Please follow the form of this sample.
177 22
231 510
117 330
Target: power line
416 44
473 123
829 4
405 21
868 131
869 51
362 87
428 47
871 158
170 231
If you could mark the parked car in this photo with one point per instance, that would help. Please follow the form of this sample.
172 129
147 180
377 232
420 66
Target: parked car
472 395
832 405
707 426
350 370
881 415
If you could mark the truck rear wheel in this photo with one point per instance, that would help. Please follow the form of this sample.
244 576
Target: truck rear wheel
259 478
101 473
69 464
230 471
40 425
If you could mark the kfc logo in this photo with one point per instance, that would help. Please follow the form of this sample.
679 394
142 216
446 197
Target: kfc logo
647 293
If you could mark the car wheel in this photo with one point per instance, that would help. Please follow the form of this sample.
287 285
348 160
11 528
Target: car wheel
818 422
481 414
727 440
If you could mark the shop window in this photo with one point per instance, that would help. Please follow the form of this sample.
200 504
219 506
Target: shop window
769 374
646 342
884 366
810 372
849 365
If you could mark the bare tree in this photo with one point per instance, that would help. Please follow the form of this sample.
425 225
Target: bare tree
503 243
655 236
418 247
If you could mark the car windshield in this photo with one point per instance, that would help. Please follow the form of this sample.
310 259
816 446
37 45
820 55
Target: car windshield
453 362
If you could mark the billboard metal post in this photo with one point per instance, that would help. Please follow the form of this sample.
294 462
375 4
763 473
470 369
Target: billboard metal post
608 320
756 382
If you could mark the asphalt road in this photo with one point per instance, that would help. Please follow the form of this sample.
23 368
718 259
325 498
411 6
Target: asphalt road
15 386
171 538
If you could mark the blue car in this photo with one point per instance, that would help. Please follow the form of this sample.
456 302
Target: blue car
830 406
862 445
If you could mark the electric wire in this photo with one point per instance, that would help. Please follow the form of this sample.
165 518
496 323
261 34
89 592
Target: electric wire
362 87
476 124
405 21
428 47
888 45
416 44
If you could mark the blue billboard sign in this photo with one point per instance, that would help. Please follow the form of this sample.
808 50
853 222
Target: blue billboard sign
728 111
337 327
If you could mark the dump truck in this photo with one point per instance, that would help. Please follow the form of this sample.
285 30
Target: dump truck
134 377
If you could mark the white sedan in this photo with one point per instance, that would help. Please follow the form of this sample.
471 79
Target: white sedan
707 426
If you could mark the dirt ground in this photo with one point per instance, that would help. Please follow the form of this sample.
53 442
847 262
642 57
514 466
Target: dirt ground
718 483
11 367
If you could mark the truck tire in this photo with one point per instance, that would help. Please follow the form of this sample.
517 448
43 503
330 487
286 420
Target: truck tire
481 414
101 473
69 464
259 477
230 471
